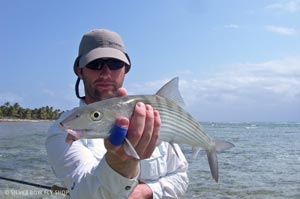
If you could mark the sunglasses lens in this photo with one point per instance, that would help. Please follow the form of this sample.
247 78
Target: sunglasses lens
95 65
113 64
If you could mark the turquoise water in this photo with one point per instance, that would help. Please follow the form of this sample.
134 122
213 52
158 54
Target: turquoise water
265 162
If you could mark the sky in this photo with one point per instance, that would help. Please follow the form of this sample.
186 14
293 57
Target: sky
237 60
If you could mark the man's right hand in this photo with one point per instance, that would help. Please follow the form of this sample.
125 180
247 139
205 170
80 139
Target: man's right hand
143 133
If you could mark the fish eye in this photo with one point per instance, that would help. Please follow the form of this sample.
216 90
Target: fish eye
96 115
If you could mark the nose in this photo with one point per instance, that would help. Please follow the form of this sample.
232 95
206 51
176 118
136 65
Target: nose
105 70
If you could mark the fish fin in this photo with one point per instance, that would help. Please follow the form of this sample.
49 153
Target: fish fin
158 142
174 148
222 145
170 91
213 164
129 149
196 151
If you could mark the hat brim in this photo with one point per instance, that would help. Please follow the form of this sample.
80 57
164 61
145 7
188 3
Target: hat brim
102 53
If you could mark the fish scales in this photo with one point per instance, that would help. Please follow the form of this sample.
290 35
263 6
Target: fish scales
176 119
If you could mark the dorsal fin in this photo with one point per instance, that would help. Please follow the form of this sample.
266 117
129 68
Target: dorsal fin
170 90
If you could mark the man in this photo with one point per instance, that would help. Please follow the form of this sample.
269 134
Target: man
97 168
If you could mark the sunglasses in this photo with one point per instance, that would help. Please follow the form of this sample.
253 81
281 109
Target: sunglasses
112 64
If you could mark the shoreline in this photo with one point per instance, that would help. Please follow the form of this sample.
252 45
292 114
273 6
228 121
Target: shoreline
22 120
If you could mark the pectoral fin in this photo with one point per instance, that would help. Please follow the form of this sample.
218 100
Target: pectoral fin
129 149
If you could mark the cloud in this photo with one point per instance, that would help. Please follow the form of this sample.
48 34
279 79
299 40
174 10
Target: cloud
246 90
250 82
252 91
281 30
48 92
232 26
291 6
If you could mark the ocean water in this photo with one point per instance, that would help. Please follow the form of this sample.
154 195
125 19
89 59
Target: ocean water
265 162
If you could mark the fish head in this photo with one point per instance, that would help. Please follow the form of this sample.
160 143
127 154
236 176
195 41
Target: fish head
91 121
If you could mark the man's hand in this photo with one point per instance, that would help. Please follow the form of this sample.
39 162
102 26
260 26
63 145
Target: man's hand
144 128
143 133
141 191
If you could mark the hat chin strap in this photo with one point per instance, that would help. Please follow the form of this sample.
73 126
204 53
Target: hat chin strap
77 89
127 67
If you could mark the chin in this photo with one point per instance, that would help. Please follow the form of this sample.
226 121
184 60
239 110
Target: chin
106 95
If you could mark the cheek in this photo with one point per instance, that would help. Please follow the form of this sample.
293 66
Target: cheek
88 77
87 82
120 82
119 78
88 74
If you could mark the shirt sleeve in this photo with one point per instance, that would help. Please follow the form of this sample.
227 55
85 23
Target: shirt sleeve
166 174
84 174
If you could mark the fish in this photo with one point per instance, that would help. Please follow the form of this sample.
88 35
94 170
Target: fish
96 120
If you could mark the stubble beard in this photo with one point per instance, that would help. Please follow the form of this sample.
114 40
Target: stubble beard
95 94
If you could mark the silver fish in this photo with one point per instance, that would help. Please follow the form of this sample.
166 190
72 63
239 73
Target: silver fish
177 126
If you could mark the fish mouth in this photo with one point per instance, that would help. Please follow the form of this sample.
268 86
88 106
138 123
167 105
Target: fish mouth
64 127
77 133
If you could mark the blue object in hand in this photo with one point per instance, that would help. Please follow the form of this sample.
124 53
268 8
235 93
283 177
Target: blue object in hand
117 135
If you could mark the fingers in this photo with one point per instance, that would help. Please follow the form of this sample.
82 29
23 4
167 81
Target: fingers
137 124
143 132
116 157
144 129
121 92
148 129
155 135
118 133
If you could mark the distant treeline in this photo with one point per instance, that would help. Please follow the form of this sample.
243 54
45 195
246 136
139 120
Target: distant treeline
15 111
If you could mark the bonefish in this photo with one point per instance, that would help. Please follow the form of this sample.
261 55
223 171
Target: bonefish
177 126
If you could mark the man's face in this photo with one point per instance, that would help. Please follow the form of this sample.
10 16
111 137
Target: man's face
101 84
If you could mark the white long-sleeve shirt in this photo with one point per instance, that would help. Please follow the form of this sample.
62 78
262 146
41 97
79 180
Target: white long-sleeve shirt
83 170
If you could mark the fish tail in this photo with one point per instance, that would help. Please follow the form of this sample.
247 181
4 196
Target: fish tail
220 146
213 164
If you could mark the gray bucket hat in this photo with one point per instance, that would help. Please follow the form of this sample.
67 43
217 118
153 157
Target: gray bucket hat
101 43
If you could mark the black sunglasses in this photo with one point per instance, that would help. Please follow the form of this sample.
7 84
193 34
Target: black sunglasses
112 64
